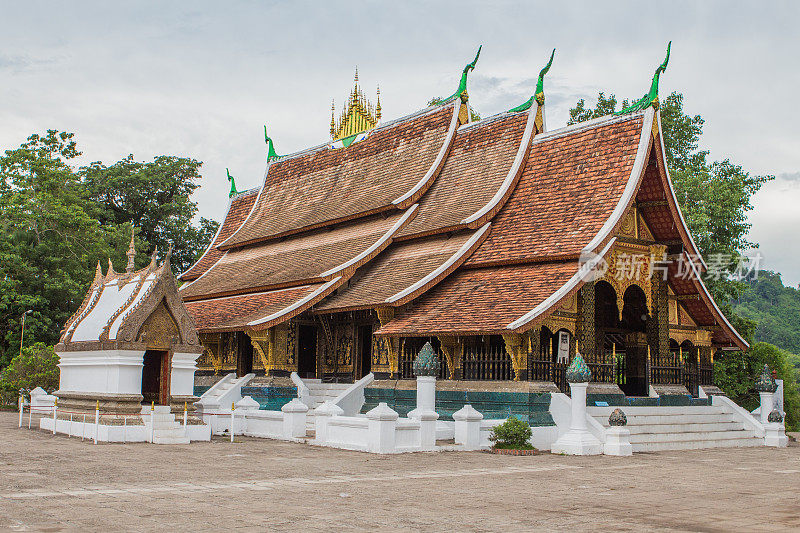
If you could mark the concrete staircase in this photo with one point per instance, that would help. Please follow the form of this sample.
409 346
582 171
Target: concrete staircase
166 430
681 428
319 393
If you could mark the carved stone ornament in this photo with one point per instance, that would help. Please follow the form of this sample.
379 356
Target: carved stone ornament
765 382
617 418
426 363
578 372
775 416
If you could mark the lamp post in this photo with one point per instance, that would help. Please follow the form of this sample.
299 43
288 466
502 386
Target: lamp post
22 333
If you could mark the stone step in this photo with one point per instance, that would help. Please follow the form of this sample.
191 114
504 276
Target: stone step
661 411
171 440
170 432
167 426
696 444
636 420
163 417
685 428
691 436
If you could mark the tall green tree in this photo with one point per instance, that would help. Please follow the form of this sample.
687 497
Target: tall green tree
155 197
714 197
49 241
57 221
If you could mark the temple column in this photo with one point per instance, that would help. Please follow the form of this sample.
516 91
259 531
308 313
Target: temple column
452 350
515 344
392 346
585 330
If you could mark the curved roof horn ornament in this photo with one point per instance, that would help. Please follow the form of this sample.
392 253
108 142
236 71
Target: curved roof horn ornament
462 85
539 93
651 98
271 154
233 192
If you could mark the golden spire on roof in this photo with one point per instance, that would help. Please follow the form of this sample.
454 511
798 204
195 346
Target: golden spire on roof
358 114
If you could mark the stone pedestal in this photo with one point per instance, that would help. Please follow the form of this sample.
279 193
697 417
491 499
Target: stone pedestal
468 427
775 435
618 441
578 440
294 419
382 427
767 403
323 415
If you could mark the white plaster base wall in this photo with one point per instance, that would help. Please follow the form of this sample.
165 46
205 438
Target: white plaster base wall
182 374
348 432
106 433
264 424
102 371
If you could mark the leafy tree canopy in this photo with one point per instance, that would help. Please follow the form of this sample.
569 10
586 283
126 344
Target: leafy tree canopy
715 197
57 222
36 366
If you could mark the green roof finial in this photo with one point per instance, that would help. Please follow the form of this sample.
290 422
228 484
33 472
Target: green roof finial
233 192
651 98
462 85
271 155
539 94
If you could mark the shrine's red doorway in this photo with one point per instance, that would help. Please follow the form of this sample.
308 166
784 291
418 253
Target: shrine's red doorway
156 376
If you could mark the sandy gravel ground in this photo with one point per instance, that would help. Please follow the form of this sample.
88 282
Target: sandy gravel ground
55 483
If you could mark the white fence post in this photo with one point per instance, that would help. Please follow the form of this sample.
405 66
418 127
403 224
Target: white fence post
185 411
767 403
382 427
233 408
468 427
294 419
96 421
152 421
323 415
21 407
55 409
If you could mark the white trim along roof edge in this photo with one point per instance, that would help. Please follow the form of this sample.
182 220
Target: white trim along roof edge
584 270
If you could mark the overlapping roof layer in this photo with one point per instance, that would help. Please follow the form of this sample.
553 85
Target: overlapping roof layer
326 184
462 228
238 209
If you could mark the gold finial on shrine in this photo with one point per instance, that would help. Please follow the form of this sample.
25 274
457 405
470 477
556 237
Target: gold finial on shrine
378 107
110 268
131 253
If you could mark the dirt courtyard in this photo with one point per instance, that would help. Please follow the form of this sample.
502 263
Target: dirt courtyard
56 483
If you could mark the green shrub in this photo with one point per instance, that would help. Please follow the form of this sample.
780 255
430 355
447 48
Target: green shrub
513 434
35 367
736 373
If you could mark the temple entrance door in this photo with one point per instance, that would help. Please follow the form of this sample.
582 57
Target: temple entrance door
244 354
156 376
634 324
307 351
365 351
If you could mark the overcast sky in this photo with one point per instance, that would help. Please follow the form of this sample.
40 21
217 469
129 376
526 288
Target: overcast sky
200 79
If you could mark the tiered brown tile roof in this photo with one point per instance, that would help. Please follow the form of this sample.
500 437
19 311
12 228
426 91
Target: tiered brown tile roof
481 156
325 185
572 182
235 312
297 260
475 301
238 209
399 268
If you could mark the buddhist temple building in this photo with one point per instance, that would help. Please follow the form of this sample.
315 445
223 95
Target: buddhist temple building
509 246
130 342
